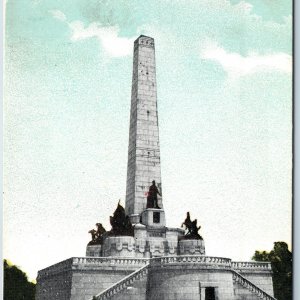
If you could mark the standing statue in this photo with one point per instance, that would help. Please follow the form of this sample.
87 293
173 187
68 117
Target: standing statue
152 196
192 228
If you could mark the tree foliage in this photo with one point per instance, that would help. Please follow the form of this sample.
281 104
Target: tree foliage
281 261
16 284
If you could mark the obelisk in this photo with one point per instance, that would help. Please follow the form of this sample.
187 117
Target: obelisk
143 149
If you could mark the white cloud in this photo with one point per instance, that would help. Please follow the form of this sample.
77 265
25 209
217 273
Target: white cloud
109 37
57 14
242 7
237 65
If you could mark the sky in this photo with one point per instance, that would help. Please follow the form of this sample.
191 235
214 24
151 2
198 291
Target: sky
224 86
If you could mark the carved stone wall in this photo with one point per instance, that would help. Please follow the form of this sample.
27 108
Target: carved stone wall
191 247
148 241
94 250
119 246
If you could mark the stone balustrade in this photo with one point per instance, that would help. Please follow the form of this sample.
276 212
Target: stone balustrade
122 284
265 266
78 262
109 261
250 286
208 261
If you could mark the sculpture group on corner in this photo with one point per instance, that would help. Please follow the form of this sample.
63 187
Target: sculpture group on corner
97 235
192 229
120 222
120 226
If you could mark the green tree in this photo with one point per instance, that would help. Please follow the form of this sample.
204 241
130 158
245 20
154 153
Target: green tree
16 284
281 261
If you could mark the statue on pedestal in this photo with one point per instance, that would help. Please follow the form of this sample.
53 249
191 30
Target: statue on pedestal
192 228
152 196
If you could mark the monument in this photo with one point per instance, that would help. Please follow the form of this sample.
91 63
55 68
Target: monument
140 257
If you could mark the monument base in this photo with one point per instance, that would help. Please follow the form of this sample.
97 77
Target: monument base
169 277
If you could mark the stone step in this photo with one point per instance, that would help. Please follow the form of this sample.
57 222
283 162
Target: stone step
123 284
237 277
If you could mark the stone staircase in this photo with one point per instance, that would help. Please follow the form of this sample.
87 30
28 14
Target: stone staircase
237 277
122 284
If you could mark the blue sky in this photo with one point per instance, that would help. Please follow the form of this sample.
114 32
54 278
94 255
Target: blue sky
225 116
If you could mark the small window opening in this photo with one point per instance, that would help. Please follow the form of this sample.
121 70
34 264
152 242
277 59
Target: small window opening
156 217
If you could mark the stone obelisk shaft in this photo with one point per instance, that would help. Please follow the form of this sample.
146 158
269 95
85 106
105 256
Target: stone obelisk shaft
143 150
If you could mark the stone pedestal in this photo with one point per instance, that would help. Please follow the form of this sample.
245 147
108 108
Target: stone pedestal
140 236
94 250
191 247
135 218
174 234
153 217
119 246
140 232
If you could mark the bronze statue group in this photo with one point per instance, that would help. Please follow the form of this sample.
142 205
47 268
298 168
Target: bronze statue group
121 225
